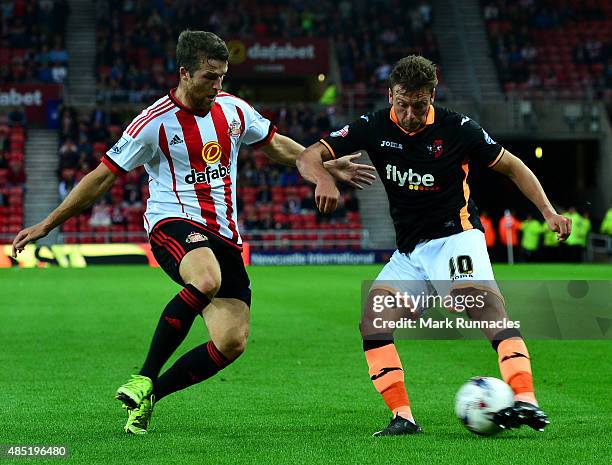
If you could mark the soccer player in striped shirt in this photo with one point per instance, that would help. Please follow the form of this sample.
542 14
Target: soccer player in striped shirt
188 142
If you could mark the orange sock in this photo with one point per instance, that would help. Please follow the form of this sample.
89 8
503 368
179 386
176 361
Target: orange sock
387 374
515 368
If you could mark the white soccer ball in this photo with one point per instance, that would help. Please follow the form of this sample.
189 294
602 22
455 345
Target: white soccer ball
478 400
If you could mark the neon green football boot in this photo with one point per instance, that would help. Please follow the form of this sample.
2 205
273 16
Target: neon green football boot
135 391
139 418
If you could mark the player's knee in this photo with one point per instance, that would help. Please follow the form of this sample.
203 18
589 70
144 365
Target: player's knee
234 345
208 283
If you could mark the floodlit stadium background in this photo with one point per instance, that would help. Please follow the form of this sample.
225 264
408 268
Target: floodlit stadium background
538 79
536 74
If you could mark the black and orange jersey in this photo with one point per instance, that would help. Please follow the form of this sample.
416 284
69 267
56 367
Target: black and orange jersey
425 172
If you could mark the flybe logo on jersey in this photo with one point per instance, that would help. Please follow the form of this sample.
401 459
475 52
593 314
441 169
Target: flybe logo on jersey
414 180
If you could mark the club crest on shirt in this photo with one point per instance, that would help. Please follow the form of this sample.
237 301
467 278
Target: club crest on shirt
235 129
195 237
436 149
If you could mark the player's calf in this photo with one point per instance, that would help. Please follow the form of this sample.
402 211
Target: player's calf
384 365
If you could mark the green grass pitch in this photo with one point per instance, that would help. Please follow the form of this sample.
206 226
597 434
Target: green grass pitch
300 393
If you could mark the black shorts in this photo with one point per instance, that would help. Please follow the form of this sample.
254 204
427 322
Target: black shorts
172 239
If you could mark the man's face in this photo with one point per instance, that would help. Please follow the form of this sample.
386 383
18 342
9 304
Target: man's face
411 107
202 86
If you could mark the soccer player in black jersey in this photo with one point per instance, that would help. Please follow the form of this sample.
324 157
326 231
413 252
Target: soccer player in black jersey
423 154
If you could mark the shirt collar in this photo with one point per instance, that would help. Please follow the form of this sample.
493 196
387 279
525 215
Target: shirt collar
431 116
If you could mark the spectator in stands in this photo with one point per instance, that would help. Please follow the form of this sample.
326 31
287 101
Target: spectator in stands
489 230
132 194
59 53
98 115
68 123
251 222
508 230
351 202
17 116
98 132
100 215
606 224
68 154
264 195
16 175
67 182
118 217
580 234
58 73
292 205
268 222
308 204
574 243
3 162
550 244
531 230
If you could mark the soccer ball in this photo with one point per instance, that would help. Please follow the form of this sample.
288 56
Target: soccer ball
478 400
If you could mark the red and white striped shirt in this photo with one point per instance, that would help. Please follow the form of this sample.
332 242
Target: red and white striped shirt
191 159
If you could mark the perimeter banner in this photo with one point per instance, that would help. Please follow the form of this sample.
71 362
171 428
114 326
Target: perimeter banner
289 57
36 99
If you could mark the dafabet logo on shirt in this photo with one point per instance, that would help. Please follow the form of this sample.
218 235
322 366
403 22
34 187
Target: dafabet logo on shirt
211 154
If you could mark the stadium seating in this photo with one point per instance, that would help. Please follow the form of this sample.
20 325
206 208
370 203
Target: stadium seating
559 52
135 43
12 179
32 41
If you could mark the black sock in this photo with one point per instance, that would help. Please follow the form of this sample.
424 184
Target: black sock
174 324
197 365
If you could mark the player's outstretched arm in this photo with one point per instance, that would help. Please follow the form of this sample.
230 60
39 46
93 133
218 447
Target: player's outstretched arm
529 185
92 186
310 166
284 150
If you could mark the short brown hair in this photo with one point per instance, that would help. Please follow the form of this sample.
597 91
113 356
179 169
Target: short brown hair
194 47
412 73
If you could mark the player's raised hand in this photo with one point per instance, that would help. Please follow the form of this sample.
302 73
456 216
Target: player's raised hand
27 235
356 175
326 196
561 225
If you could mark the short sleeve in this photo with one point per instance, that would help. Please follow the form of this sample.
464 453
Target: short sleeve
259 130
349 139
128 153
480 147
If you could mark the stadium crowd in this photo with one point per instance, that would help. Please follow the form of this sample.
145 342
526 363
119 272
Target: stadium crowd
12 173
561 48
136 41
32 41
531 240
